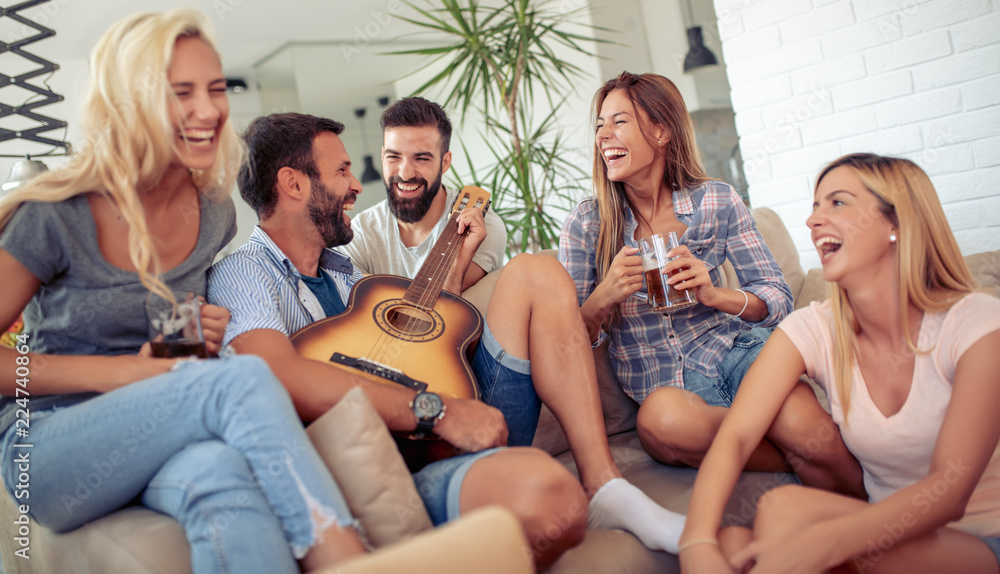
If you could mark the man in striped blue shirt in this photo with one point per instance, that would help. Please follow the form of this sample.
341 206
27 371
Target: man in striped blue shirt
534 344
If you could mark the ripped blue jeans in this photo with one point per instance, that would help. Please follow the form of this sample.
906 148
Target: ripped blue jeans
214 444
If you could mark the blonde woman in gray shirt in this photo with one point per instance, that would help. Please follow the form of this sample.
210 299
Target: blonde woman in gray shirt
144 208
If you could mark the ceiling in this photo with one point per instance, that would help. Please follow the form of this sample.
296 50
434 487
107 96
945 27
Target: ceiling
247 30
327 53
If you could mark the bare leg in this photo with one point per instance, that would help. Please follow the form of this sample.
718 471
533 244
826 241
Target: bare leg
732 539
787 509
676 427
534 315
543 495
811 442
337 544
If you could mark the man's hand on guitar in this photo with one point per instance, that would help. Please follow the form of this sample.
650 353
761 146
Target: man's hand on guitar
471 218
472 425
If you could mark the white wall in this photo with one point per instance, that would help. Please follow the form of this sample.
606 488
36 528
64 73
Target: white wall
243 108
813 80
668 45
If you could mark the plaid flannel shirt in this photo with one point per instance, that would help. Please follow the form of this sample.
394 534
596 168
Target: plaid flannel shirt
649 350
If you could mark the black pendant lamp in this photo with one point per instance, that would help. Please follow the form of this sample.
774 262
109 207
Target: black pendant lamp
698 54
370 174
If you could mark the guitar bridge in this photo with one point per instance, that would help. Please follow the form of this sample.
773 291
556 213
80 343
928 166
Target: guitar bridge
379 370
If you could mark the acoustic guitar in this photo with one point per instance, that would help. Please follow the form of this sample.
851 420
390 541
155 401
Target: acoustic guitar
410 333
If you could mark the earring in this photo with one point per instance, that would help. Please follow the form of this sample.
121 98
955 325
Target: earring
892 238
660 142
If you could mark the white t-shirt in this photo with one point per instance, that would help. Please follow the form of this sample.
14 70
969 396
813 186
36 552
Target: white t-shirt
377 247
895 452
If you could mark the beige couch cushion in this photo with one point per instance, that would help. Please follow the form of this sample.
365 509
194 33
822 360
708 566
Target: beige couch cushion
779 241
363 458
814 288
479 294
985 269
488 541
131 541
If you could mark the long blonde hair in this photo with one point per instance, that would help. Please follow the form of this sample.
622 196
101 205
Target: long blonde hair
932 274
663 105
129 136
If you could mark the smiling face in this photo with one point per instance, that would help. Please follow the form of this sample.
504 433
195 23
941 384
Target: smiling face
849 229
201 108
333 192
628 155
412 165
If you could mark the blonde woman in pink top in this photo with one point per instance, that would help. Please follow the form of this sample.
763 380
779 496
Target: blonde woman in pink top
909 354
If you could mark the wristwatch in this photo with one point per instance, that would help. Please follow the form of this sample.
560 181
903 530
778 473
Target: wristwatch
429 409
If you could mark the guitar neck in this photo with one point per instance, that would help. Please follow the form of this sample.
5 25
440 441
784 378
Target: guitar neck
427 285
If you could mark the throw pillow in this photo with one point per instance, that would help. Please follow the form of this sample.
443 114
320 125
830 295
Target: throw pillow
362 457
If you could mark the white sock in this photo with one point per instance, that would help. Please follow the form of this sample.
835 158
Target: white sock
619 504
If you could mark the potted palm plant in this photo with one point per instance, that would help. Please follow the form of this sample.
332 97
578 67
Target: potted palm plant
497 59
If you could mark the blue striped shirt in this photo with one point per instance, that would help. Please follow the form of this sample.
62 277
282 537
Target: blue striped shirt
649 350
261 288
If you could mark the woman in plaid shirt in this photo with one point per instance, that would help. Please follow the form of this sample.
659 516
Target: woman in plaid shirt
684 367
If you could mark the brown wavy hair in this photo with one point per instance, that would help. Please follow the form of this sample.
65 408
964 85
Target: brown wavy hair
662 105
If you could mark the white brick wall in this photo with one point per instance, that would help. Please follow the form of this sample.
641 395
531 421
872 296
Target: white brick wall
986 151
815 79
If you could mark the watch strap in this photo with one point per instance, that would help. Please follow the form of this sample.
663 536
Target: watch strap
425 426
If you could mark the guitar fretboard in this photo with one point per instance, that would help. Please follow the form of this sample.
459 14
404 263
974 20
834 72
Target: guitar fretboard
427 285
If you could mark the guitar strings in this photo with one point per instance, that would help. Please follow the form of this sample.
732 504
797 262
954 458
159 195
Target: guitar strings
428 296
384 343
381 348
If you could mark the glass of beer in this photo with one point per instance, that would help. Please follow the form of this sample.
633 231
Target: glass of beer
175 328
662 298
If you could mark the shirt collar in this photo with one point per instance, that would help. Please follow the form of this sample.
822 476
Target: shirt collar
329 259
683 206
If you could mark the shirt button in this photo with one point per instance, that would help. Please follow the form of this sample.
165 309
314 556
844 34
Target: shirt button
679 357
670 337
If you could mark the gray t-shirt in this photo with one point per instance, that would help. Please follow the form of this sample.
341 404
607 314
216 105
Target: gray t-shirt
378 248
85 305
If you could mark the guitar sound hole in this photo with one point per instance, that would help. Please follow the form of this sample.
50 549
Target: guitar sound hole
409 321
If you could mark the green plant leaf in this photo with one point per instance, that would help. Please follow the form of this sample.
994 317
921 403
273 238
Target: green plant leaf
497 60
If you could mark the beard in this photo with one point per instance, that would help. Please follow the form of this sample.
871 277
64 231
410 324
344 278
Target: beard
327 214
413 209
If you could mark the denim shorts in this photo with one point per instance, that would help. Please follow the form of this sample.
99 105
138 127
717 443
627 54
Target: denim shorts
440 484
719 391
504 383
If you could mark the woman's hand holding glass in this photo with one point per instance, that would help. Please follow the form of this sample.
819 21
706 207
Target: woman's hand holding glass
213 324
624 278
692 275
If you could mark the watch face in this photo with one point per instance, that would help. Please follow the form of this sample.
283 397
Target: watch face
427 405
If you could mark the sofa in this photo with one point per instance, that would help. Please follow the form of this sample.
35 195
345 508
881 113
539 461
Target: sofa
608 552
138 541
361 454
